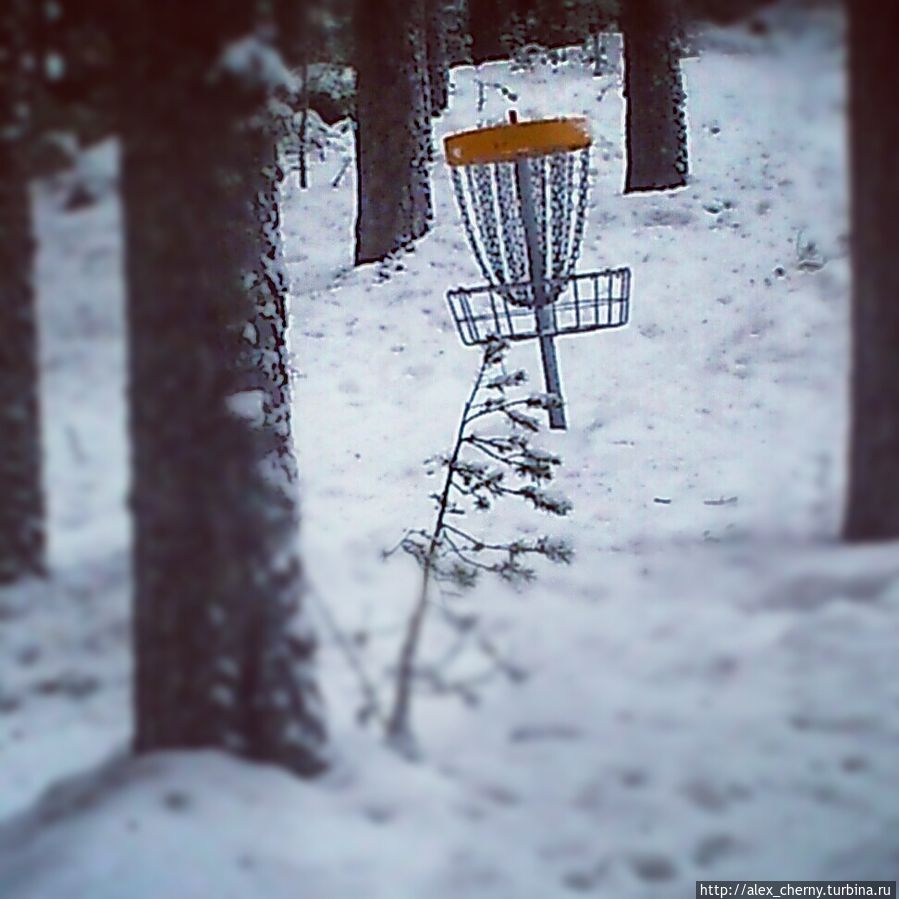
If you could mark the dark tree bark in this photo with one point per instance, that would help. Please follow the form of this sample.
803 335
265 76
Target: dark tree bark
653 89
487 21
393 127
521 25
22 539
552 23
222 656
458 38
293 21
548 27
873 496
438 63
304 126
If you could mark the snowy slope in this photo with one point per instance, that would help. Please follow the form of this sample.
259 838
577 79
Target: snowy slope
712 686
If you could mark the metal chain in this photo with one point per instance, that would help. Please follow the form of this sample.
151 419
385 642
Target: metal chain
462 203
541 210
492 218
486 219
561 176
580 216
513 233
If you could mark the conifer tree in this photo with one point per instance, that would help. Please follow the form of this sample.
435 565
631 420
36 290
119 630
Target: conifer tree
223 656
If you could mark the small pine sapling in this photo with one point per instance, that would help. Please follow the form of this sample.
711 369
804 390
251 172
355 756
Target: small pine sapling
492 459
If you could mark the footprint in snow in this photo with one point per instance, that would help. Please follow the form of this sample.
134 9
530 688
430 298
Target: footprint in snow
585 880
713 847
529 733
379 814
633 777
653 867
712 797
499 794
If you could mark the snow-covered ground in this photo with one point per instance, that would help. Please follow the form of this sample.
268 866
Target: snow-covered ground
712 687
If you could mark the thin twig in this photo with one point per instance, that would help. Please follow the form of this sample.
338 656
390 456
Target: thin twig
369 691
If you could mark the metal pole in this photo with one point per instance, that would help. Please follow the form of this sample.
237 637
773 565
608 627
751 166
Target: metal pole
542 314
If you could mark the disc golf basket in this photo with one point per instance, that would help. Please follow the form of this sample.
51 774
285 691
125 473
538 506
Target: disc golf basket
522 194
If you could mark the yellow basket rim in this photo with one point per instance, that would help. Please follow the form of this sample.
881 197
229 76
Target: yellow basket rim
517 140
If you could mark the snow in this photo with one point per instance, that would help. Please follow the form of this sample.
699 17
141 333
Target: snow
248 404
712 686
257 63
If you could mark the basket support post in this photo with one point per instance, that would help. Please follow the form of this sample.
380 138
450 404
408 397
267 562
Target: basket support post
542 314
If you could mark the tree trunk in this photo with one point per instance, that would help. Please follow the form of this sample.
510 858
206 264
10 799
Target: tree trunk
304 126
22 539
393 128
487 21
438 63
223 658
548 25
873 495
653 89
293 23
458 39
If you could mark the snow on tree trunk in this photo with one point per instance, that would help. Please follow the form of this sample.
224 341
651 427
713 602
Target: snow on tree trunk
653 89
873 497
22 540
438 63
393 128
223 655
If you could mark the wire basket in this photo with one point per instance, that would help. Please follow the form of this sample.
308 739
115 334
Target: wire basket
591 301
